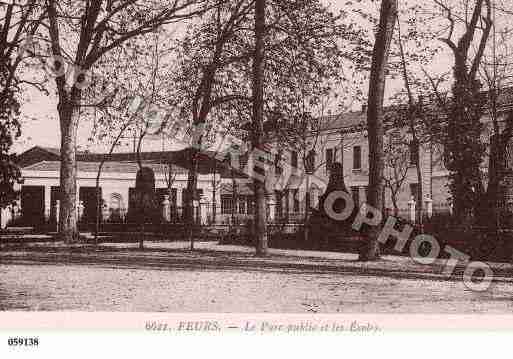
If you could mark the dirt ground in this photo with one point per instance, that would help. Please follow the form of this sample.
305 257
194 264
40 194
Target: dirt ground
227 279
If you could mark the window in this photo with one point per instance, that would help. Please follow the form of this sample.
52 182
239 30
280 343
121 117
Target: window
413 152
251 204
414 190
357 158
132 200
54 197
242 205
243 161
355 192
174 197
295 195
286 197
310 162
185 197
294 159
277 163
227 204
329 159
279 204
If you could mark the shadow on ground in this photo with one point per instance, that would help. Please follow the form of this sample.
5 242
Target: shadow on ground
212 260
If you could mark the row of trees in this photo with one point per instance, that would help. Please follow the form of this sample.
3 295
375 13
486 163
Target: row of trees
451 119
81 44
227 63
18 22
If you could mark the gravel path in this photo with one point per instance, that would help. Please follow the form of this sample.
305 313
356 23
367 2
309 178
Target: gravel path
47 282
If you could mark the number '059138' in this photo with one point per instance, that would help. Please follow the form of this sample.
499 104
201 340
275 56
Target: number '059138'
23 342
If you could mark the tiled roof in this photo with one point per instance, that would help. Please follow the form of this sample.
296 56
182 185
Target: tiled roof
47 159
348 120
358 119
108 167
52 150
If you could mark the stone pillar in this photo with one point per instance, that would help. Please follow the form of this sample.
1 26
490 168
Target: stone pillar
303 193
125 196
16 210
105 212
429 207
203 212
411 207
3 217
80 210
286 206
166 209
179 201
48 203
77 199
272 208
315 197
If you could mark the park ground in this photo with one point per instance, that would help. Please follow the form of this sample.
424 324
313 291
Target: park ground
167 277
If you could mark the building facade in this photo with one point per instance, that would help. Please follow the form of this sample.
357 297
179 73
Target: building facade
225 183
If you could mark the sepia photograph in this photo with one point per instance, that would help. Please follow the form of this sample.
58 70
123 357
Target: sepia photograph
296 159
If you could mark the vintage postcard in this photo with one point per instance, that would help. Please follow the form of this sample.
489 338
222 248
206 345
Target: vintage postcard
318 167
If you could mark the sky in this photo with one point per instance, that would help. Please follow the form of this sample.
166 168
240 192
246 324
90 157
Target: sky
41 125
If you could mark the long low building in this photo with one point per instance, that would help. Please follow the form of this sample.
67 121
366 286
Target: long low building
226 193
39 193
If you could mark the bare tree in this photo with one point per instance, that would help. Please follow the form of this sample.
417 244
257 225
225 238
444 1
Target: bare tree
199 81
495 71
133 107
19 23
397 164
82 33
257 139
114 126
463 147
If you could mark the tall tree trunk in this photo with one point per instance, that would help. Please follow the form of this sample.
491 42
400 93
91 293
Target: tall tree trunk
307 210
394 203
420 191
68 114
98 204
258 114
463 148
214 195
415 145
192 184
234 200
388 15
